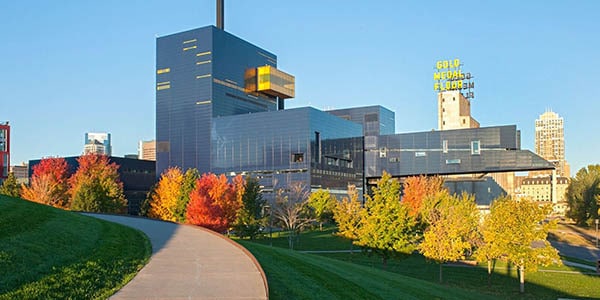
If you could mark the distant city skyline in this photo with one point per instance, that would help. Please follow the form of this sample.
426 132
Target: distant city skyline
79 66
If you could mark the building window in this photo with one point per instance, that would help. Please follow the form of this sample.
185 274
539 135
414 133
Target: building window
382 152
445 146
298 157
318 146
475 148
162 71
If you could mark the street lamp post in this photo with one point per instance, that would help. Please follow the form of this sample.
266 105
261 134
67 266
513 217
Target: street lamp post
268 208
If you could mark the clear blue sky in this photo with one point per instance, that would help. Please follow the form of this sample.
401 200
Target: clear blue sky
68 67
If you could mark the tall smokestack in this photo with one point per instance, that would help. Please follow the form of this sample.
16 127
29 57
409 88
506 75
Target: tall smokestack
220 18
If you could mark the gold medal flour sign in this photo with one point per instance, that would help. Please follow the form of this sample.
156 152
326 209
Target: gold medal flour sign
449 76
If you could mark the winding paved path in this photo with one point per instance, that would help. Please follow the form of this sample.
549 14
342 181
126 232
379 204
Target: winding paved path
190 262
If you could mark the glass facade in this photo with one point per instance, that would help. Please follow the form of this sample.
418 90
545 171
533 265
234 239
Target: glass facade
275 82
376 120
296 145
464 151
200 75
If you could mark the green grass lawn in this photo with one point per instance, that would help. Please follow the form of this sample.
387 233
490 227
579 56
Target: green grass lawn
48 253
295 275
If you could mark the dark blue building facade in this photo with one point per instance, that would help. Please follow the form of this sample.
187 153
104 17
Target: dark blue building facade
200 74
302 145
375 120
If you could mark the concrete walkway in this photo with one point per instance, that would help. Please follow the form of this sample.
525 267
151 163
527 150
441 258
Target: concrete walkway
190 262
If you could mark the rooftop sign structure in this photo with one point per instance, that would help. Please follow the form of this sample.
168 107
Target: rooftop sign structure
449 76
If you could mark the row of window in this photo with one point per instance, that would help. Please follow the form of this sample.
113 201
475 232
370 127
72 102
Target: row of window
475 149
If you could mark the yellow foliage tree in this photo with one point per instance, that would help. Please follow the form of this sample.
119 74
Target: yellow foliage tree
452 230
348 214
517 231
163 201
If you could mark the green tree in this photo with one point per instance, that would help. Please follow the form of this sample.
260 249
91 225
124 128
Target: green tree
488 249
452 230
250 216
583 195
190 177
387 228
348 214
322 202
518 231
96 187
10 187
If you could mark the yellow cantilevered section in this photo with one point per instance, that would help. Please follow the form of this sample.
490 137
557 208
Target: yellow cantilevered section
271 81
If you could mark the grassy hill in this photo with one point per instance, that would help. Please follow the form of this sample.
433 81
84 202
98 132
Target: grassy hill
48 253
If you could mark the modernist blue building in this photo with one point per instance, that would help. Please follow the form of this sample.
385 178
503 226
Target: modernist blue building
203 74
220 109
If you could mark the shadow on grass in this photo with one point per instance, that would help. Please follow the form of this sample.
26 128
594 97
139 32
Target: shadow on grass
556 282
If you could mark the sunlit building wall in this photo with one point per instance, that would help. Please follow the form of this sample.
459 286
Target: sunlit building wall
454 111
550 141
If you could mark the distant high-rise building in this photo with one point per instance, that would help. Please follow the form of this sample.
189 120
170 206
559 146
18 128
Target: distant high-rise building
454 111
94 147
4 149
102 138
550 141
147 150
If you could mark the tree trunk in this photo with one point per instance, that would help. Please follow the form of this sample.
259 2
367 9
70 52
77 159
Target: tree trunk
291 239
320 226
384 262
522 278
489 263
441 264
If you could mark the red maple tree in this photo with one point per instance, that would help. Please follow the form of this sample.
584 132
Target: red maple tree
417 188
49 183
214 203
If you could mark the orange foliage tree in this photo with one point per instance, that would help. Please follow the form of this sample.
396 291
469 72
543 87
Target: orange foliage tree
49 183
417 188
213 203
96 186
164 198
